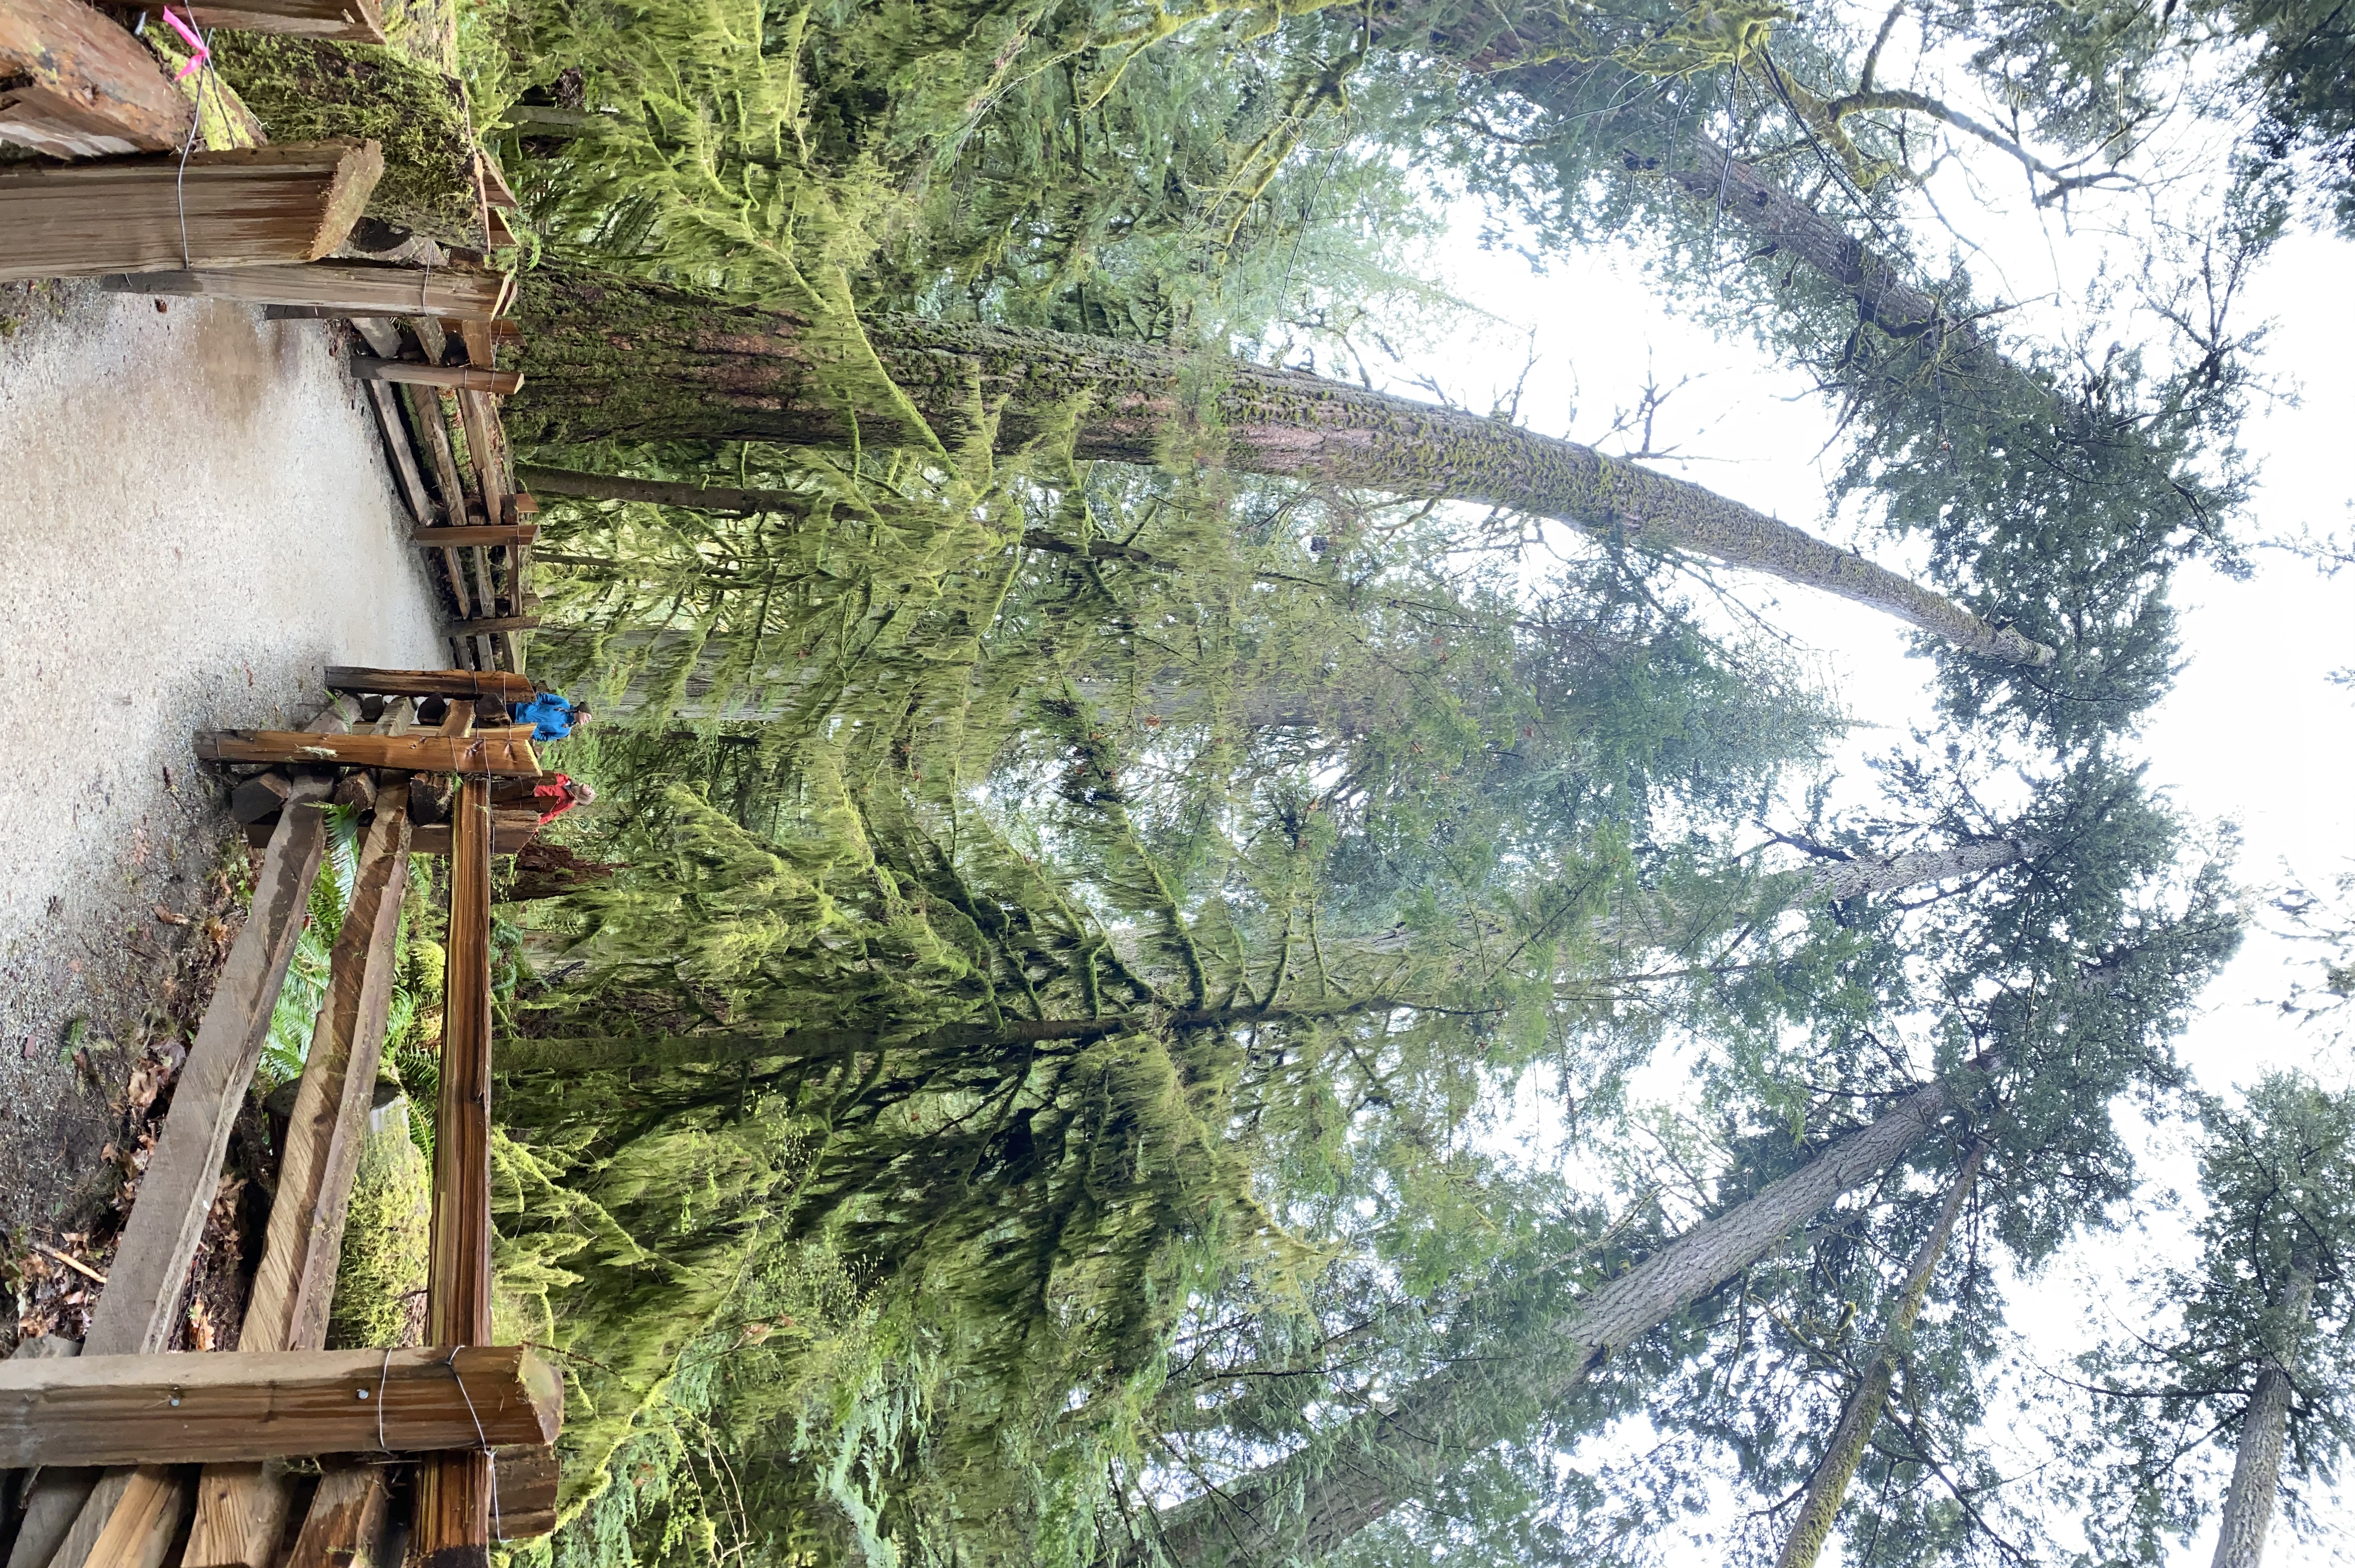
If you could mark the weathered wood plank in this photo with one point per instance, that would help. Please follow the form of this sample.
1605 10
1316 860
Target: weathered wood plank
139 1531
81 86
358 679
134 1313
241 1509
376 331
346 1517
467 378
425 411
124 1410
349 21
241 1516
482 625
240 207
491 751
454 1490
519 534
352 288
404 457
14 1483
511 832
528 1481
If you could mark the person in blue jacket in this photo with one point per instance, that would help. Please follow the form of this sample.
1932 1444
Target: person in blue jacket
551 716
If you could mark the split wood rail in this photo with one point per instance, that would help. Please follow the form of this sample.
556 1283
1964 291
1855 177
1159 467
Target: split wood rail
148 1460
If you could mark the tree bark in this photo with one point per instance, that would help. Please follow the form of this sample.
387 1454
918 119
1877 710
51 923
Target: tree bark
1834 881
1309 1502
608 358
614 1052
2264 1430
659 492
1827 1489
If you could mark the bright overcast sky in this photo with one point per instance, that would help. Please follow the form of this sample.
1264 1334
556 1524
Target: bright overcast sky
2254 734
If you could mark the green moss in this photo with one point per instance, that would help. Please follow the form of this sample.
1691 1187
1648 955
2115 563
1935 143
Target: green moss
385 1237
305 88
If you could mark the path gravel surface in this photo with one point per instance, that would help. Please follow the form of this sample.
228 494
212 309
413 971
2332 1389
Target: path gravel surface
195 517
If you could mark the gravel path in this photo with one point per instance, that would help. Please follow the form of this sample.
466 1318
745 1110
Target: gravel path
195 518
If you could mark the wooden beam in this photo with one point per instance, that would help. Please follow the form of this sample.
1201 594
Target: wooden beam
512 831
425 413
528 1482
136 1312
404 456
454 1490
82 87
241 1509
348 288
14 1483
296 1282
430 337
480 421
240 207
482 345
467 378
482 625
177 1409
360 680
520 533
428 751
348 21
346 1518
658 492
140 1531
380 333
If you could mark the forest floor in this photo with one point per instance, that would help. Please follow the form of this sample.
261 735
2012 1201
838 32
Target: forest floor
195 517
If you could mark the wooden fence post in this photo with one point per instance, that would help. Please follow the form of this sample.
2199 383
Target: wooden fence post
454 1490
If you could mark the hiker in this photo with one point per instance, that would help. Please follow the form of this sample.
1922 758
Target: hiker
564 791
551 716
550 794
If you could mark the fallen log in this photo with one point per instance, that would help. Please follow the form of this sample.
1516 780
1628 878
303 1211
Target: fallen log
244 207
81 87
193 1409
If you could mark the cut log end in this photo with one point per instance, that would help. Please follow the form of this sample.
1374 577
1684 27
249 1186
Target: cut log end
348 196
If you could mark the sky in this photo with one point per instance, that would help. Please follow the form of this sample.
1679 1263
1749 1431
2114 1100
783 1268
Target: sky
2254 734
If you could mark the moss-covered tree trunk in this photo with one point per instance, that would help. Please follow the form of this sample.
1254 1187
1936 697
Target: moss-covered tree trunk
610 357
1306 1505
305 89
2265 1428
1828 1487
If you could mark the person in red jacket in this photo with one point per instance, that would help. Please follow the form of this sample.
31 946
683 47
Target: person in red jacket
560 793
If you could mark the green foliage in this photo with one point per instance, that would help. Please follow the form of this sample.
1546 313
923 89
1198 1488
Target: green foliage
2169 1401
1149 885
380 1279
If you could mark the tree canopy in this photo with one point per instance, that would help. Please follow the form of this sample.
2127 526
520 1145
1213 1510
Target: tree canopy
1214 961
